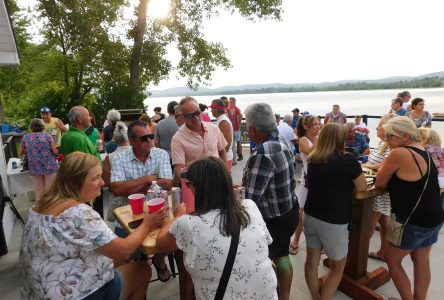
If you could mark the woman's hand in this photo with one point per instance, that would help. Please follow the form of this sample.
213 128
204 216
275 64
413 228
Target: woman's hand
180 210
155 219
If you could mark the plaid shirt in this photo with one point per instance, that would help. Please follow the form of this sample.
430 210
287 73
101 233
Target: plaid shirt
269 177
125 166
359 144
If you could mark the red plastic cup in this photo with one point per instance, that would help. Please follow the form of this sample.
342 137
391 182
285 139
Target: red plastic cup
136 202
155 204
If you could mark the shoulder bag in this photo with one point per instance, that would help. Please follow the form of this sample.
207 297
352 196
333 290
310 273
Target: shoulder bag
228 267
396 229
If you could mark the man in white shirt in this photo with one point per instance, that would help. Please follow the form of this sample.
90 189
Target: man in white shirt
286 131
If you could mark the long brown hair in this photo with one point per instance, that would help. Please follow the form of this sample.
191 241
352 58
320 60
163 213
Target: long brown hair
331 139
69 180
214 190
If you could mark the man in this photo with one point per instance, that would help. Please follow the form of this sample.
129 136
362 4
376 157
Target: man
356 141
133 171
269 180
166 129
235 115
397 107
75 139
405 96
287 132
223 122
195 139
157 114
335 116
296 117
53 126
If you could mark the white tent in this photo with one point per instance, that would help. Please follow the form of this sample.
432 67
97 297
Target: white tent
8 57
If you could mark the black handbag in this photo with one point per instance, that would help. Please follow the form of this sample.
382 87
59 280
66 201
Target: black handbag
228 267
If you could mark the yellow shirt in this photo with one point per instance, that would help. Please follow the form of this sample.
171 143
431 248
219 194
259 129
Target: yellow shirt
53 130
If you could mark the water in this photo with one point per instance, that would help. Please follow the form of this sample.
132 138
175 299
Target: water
372 102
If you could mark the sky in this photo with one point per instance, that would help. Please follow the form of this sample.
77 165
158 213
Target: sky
324 40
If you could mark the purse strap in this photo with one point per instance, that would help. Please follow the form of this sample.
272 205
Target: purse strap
228 267
425 184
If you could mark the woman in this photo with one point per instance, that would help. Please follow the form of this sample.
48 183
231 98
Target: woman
405 173
112 117
92 132
40 151
204 115
151 124
332 175
381 203
421 117
307 130
67 250
205 236
431 140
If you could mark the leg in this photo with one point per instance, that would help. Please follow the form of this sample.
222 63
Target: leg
375 218
136 277
311 272
49 179
39 183
284 272
333 278
421 271
394 257
162 270
297 234
384 224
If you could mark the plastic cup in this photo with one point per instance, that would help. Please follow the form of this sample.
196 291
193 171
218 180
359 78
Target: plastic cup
136 202
155 204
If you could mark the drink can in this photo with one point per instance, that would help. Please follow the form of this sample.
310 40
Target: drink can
14 165
151 194
164 195
176 196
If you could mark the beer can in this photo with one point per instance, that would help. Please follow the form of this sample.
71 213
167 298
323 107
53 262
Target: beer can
151 194
164 195
176 196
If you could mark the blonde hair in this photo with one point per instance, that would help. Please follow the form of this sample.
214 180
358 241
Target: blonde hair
429 137
331 139
402 125
69 180
384 119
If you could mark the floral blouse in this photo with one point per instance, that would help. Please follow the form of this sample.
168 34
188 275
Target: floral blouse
206 250
58 258
424 121
41 160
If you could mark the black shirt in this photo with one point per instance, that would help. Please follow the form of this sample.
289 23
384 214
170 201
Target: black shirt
330 188
108 133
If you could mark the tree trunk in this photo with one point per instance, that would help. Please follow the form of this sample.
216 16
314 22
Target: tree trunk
139 31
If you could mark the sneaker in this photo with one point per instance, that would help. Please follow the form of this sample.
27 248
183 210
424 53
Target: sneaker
240 157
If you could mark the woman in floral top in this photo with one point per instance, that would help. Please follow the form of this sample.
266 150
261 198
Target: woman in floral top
205 236
40 151
67 250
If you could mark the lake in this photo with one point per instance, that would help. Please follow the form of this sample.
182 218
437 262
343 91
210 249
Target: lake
371 102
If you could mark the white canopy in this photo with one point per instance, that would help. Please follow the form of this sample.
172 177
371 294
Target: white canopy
8 49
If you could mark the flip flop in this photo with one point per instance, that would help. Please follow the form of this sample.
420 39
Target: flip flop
163 274
293 250
375 255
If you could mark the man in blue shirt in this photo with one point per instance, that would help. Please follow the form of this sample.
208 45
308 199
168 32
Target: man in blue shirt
295 117
397 107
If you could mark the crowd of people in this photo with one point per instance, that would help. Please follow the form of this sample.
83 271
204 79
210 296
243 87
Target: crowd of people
69 252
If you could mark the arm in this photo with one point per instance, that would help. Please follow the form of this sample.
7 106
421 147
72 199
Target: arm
126 188
165 241
227 132
360 183
388 168
223 155
221 145
106 173
54 149
60 125
178 168
260 171
121 249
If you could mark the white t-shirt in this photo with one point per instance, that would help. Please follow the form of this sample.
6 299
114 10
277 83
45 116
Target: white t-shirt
206 250
286 131
221 118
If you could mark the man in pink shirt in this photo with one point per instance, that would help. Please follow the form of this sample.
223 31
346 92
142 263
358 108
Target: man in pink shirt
235 115
195 139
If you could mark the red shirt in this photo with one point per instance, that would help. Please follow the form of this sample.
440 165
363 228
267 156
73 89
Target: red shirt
234 113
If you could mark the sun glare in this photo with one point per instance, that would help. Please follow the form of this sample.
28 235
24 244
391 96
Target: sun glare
158 9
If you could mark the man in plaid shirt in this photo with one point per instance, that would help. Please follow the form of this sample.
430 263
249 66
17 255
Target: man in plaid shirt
269 181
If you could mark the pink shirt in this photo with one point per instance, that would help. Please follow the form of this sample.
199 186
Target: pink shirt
188 146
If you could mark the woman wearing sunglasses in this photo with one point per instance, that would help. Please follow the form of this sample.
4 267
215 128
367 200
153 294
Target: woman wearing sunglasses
205 236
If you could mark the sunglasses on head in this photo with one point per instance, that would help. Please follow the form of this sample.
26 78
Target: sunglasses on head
145 138
192 115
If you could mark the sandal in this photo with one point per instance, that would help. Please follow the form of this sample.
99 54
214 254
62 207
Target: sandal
375 255
163 274
293 250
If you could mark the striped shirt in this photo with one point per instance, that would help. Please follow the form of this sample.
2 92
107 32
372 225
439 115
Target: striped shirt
269 177
125 165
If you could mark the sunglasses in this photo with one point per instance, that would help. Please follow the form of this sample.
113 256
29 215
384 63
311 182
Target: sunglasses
389 136
192 115
145 138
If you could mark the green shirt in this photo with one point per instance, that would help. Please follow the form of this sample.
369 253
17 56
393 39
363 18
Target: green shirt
76 140
93 136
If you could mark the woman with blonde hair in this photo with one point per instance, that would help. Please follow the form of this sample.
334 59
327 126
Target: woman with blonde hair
412 182
431 140
151 124
332 175
68 251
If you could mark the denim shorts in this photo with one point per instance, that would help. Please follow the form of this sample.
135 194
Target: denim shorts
113 290
416 237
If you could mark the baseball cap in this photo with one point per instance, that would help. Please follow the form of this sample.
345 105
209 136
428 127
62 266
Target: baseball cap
305 113
295 110
45 109
217 104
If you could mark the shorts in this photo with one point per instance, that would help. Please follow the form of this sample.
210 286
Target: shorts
381 204
415 237
113 290
333 238
281 229
236 135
